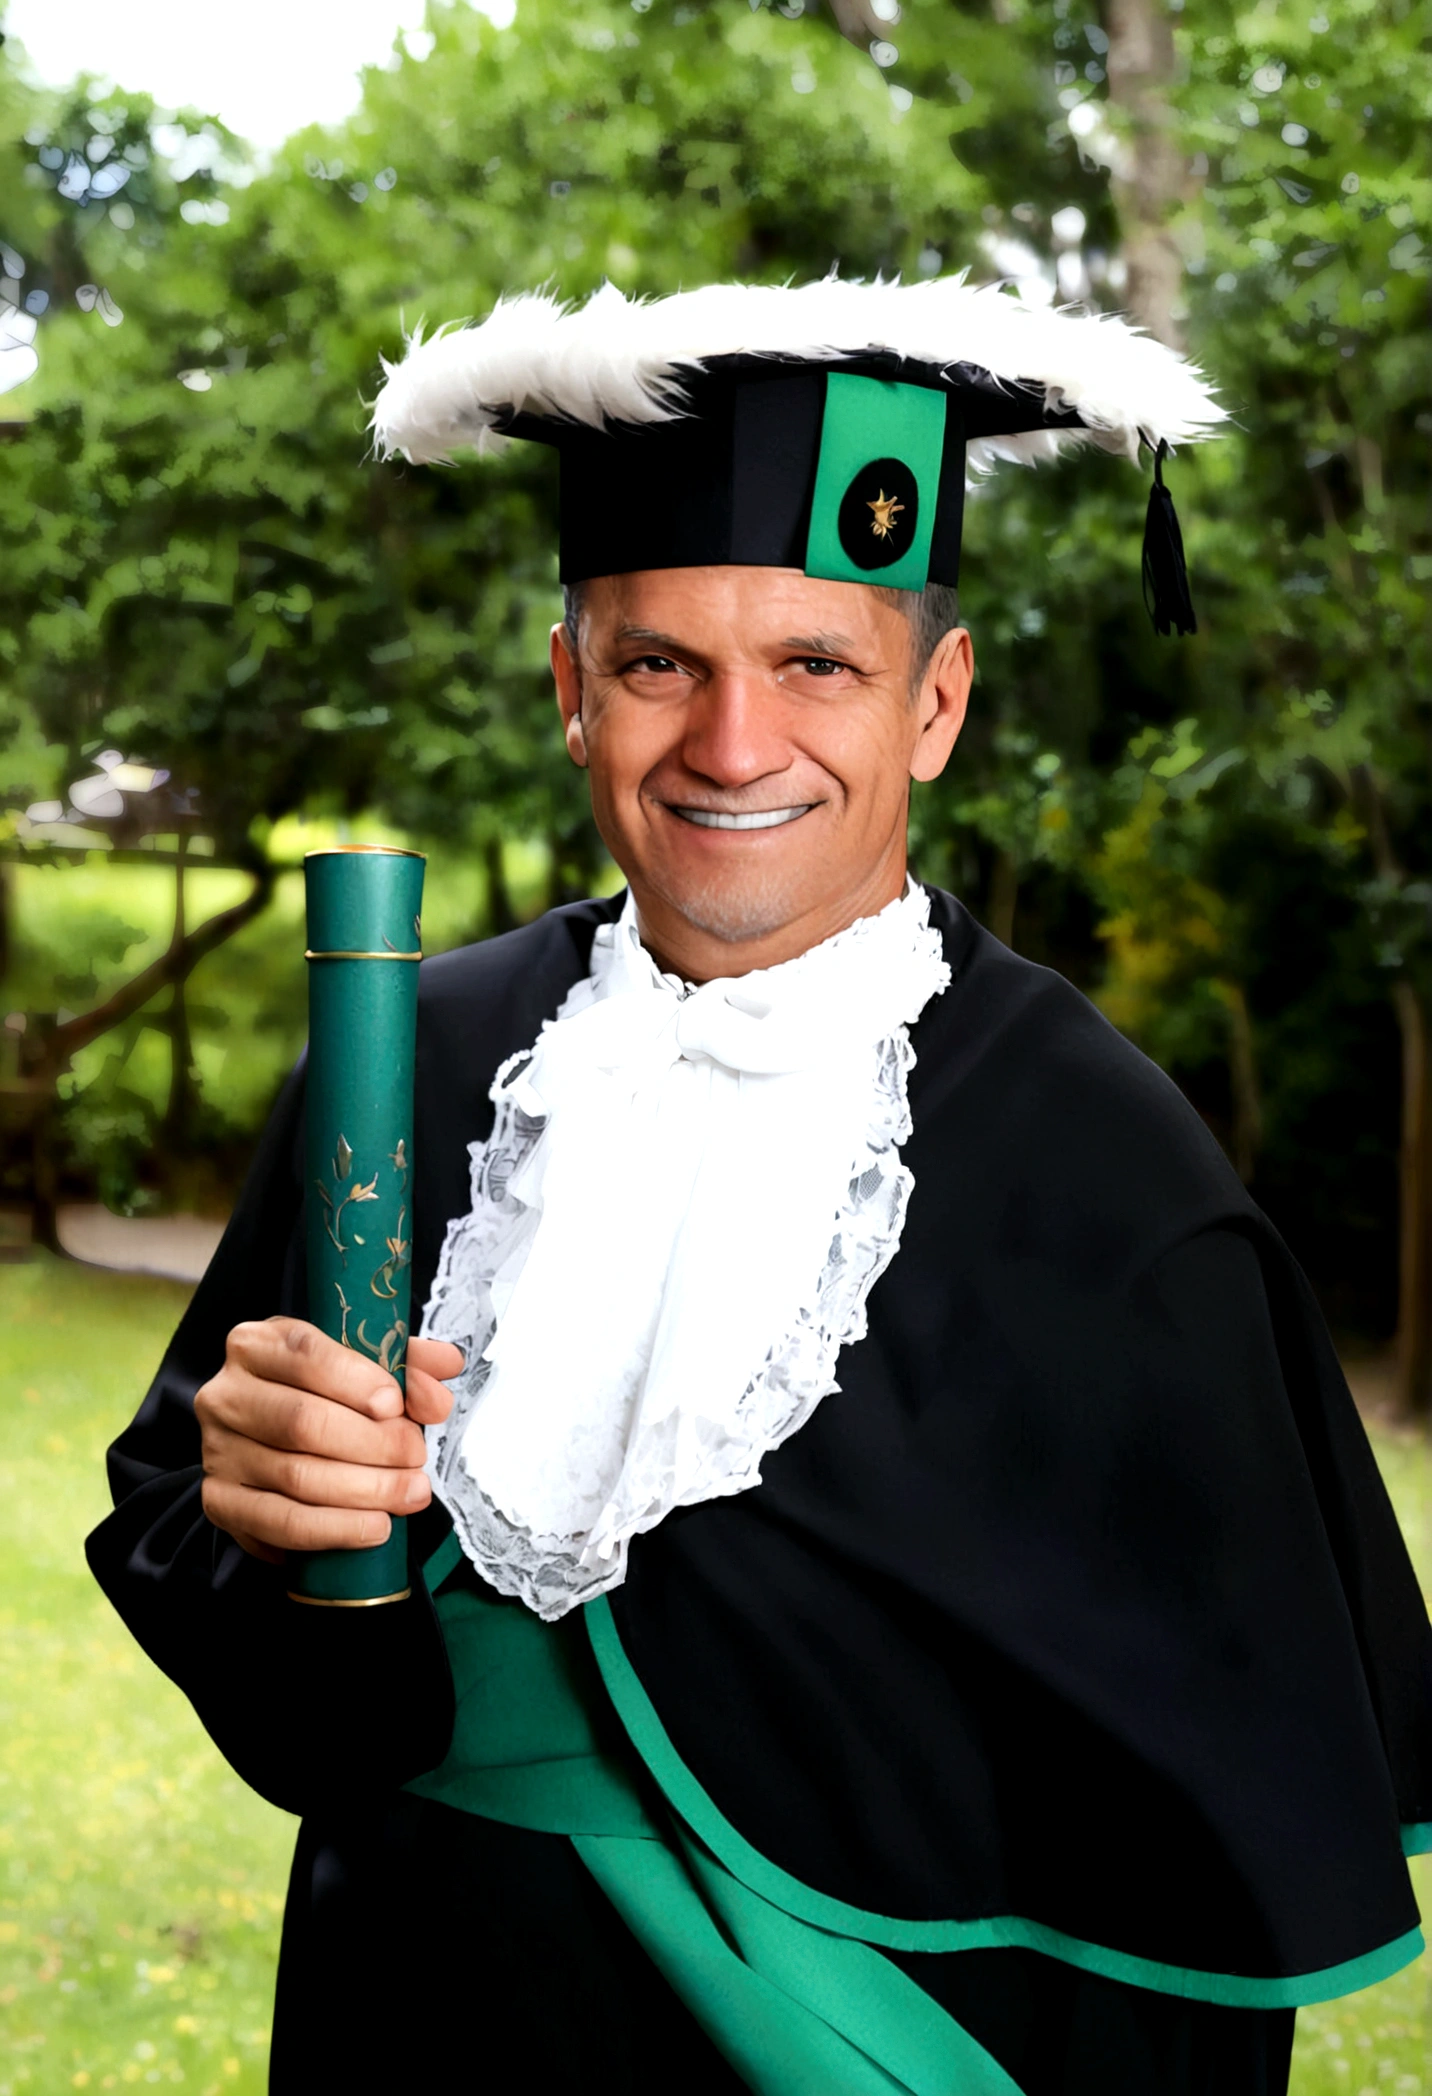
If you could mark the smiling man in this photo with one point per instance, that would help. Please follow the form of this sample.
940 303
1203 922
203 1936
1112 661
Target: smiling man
779 718
902 1600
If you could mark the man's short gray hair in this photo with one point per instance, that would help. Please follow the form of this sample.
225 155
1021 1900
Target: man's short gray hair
933 612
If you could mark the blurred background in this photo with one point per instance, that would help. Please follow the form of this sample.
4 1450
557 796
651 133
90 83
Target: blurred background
224 633
226 636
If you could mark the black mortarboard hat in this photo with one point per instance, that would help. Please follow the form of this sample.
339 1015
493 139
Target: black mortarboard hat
828 428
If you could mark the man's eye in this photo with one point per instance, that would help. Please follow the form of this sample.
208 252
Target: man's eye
822 666
649 662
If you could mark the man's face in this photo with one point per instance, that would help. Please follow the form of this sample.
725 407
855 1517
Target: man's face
751 735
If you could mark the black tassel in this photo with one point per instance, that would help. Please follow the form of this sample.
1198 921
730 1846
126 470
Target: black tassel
1165 575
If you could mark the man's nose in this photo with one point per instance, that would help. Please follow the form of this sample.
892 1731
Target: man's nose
733 732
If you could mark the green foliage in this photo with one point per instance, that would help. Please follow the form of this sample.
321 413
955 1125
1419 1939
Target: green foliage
1249 814
221 577
1313 284
97 923
1312 542
200 565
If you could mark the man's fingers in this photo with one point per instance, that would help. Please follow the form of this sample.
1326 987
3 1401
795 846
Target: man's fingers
255 1548
285 1524
315 1481
308 1425
286 1350
306 1443
436 1357
429 1401
431 1364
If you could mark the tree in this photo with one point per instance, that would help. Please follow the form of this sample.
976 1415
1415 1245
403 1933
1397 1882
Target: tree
1225 840
1314 286
1260 177
199 565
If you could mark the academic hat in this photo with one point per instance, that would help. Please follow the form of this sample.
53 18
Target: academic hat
827 427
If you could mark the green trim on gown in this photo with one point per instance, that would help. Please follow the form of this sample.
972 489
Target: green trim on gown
796 2010
790 1984
1004 1931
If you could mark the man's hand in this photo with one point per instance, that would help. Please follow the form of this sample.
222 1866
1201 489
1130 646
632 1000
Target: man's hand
308 1445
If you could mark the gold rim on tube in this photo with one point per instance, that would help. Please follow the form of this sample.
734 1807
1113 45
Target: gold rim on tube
394 851
377 1601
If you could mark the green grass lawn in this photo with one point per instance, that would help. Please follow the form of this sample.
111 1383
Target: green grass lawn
140 1883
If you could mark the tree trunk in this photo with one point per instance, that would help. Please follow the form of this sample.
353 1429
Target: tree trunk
1243 1082
501 916
179 961
1003 897
45 1060
1142 67
571 864
175 1126
1414 1278
858 22
5 897
44 1180
1414 1203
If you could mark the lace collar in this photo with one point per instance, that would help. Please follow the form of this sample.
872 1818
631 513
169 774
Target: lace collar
686 1198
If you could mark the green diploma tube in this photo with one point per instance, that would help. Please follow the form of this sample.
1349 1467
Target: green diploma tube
364 944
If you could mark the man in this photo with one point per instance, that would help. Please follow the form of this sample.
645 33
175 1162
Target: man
902 1599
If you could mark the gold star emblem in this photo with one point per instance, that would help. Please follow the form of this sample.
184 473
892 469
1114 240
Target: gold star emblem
886 509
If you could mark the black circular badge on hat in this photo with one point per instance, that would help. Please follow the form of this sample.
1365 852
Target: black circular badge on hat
878 513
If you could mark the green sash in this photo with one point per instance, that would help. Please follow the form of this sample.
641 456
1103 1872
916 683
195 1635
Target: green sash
798 2010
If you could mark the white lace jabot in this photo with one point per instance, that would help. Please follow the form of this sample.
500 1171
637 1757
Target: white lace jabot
685 1200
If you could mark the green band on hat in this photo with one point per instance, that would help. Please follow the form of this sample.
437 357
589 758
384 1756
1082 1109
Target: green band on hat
877 482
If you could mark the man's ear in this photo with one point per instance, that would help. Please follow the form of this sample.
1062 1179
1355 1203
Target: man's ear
942 702
568 679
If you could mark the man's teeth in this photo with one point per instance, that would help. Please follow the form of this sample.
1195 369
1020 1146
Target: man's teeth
767 819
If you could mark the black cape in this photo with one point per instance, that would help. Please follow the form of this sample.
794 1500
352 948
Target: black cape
1081 1604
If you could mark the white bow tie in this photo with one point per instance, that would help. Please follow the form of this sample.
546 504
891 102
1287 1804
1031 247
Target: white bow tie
827 1004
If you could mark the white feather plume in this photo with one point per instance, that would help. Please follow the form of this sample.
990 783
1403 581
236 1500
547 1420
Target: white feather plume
617 359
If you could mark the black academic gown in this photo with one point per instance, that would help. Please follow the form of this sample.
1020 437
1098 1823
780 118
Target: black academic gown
1081 1602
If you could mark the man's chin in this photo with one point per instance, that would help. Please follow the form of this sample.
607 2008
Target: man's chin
735 912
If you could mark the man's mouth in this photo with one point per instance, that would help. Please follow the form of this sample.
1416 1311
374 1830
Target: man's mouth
762 819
